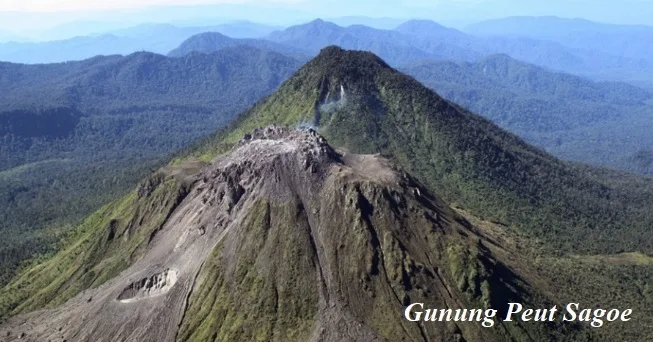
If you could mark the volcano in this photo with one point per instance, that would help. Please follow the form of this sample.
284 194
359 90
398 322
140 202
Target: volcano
273 232
286 238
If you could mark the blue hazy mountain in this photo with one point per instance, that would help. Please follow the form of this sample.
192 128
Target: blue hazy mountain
77 28
417 40
628 41
393 46
208 42
582 58
236 29
432 30
157 38
76 48
7 36
603 51
410 42
541 27
379 23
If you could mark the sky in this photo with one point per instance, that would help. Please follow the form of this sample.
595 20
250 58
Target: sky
29 16
103 5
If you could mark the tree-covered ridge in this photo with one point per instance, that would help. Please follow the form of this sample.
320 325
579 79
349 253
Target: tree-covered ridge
139 105
116 98
76 135
208 42
571 117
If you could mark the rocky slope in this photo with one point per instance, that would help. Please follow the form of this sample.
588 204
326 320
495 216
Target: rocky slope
286 239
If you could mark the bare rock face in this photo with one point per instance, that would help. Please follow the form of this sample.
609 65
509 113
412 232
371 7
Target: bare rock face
286 239
157 284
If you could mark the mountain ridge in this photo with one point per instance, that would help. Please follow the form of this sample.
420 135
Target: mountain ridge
393 45
629 46
98 82
156 38
209 42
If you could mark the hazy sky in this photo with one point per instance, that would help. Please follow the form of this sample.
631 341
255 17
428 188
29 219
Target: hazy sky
102 5
33 15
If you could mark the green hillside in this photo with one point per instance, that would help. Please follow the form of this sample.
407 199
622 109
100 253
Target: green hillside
76 135
141 104
600 123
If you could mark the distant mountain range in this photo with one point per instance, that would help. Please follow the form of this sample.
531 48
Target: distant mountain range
238 29
419 40
628 41
603 52
379 23
157 38
629 47
394 46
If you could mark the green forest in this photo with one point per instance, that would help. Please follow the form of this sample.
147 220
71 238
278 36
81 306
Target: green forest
601 123
101 125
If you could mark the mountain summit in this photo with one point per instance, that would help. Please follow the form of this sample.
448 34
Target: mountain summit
360 103
286 238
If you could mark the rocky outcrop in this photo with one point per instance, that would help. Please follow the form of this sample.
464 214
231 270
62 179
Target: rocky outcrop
157 284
